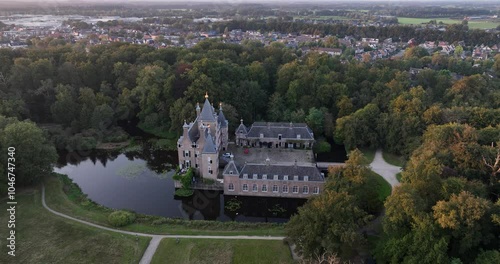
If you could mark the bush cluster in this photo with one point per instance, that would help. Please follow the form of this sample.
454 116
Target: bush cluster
121 218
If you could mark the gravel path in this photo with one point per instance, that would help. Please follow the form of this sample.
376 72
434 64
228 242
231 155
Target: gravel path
155 241
384 169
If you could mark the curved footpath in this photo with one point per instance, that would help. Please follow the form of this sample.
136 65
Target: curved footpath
384 169
155 239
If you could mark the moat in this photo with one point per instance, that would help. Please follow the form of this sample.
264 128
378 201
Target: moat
141 181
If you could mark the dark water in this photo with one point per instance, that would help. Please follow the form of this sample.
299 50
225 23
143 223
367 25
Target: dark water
337 153
142 181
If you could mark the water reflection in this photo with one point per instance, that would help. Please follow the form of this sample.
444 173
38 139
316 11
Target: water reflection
142 181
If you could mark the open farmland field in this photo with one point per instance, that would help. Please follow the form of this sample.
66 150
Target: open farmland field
474 24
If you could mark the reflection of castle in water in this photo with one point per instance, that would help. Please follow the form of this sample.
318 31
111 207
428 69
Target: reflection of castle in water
210 205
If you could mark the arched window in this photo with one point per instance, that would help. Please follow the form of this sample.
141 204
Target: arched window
316 190
305 189
255 188
285 188
295 189
264 188
245 187
275 188
231 187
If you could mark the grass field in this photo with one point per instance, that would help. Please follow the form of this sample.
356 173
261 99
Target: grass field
42 237
393 159
71 203
384 189
222 251
474 24
398 176
369 154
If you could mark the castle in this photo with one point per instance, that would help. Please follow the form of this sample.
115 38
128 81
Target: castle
202 140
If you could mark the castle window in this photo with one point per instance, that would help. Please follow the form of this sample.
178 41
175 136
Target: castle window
295 178
261 135
264 176
245 187
255 188
275 188
295 189
279 136
230 172
285 189
196 165
285 178
210 170
245 176
316 190
254 176
298 136
275 177
306 178
231 187
305 189
264 188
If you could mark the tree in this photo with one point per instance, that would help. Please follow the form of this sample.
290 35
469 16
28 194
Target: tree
315 120
34 155
327 223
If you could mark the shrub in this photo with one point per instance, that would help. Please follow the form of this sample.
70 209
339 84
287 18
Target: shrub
184 192
322 147
121 218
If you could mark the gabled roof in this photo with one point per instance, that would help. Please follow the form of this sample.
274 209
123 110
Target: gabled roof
286 130
207 113
282 170
231 167
242 128
209 145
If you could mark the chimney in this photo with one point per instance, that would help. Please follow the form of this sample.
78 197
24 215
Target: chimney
268 161
291 125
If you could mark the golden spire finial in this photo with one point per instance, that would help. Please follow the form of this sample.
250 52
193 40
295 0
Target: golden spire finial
206 95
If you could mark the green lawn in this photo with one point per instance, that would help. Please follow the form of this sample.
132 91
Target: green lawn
474 24
369 154
393 159
72 202
222 251
42 237
384 189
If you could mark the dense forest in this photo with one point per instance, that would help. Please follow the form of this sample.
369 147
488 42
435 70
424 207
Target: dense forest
444 119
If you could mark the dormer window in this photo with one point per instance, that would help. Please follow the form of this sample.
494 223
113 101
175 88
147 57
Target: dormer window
306 178
295 178
285 178
275 177
298 136
245 176
254 176
261 135
264 176
279 136
231 172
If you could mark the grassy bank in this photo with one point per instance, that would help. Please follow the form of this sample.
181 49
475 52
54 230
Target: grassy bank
222 251
42 237
369 154
64 196
393 159
384 189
